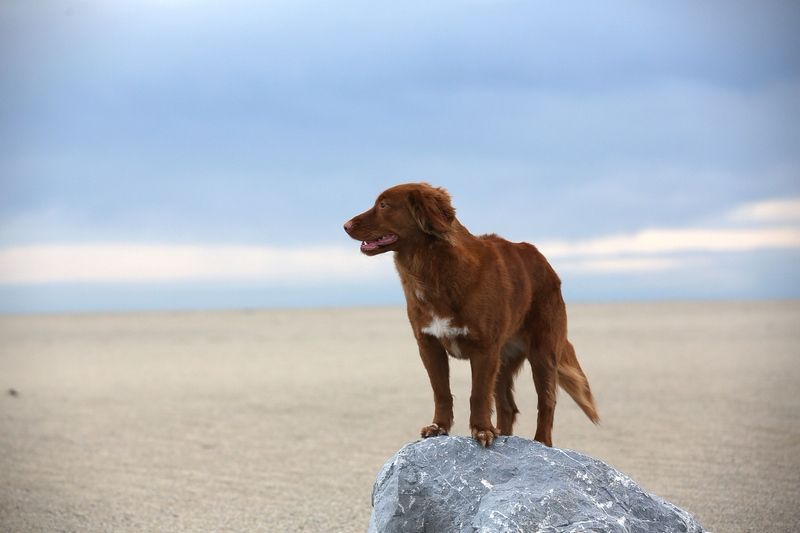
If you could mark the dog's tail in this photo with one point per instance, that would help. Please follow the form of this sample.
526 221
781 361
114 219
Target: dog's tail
573 380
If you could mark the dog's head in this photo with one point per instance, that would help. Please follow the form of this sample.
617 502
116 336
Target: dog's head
401 217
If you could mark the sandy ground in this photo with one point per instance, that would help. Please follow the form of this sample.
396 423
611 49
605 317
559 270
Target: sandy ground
279 421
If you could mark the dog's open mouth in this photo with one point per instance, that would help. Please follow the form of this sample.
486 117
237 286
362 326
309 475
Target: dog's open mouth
385 240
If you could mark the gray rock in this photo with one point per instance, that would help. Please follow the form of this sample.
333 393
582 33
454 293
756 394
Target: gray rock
449 484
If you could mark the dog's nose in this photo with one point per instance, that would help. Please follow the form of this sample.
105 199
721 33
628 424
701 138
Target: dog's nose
348 226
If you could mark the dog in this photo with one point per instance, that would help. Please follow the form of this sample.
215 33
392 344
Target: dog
480 298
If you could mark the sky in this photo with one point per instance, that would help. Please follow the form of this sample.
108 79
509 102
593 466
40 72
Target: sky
180 154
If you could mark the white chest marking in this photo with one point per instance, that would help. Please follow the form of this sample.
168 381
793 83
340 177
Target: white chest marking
441 328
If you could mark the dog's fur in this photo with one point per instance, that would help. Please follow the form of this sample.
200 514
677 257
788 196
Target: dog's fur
485 299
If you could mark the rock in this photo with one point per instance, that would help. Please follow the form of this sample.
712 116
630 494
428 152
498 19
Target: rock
451 484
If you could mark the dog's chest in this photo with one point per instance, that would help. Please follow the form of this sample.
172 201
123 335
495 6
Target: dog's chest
448 334
442 328
445 328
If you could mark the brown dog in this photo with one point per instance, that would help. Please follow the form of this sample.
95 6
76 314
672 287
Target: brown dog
483 298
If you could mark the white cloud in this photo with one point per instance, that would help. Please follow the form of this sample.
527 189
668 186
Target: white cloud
643 251
782 210
656 249
666 241
123 262
619 264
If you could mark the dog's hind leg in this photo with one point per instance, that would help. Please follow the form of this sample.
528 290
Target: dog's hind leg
545 379
506 407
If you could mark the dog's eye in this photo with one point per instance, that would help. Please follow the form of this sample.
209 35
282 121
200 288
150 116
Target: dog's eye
384 205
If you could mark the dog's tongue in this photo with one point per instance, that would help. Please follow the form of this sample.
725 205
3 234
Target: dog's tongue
371 245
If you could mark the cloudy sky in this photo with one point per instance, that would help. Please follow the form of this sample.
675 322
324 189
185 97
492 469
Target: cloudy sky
193 154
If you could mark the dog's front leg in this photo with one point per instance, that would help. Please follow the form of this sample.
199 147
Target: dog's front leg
434 357
485 365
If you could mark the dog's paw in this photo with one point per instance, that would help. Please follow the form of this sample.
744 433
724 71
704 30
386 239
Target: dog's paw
485 437
432 430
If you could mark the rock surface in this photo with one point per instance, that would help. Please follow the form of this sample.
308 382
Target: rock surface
449 484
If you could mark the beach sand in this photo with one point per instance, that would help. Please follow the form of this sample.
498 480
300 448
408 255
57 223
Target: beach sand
280 420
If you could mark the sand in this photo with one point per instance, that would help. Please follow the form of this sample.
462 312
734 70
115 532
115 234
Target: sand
279 420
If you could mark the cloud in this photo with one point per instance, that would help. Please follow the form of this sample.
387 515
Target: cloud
658 249
619 265
648 250
131 263
670 241
645 251
782 210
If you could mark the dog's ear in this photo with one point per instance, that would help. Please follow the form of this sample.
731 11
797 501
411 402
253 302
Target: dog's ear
431 208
